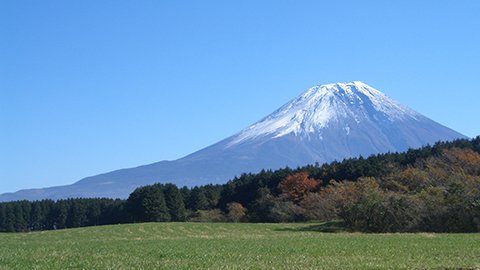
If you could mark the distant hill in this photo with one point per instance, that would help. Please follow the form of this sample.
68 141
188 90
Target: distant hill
325 123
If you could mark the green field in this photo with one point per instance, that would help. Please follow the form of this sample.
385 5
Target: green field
233 246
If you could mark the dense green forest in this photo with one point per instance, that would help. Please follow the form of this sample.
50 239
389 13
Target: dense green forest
431 189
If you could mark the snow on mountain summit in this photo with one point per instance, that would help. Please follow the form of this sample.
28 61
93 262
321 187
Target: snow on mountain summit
318 107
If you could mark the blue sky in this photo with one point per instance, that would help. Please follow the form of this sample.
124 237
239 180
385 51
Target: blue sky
88 87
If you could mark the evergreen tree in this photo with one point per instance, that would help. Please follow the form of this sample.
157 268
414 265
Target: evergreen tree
20 222
2 217
147 204
174 201
94 211
9 217
77 215
197 199
212 193
61 213
48 210
37 216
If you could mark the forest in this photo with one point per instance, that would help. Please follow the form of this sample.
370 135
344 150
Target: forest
430 189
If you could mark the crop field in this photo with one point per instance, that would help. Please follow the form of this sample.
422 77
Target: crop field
234 246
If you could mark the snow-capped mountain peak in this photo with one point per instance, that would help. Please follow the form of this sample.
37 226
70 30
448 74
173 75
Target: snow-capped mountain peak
325 123
322 105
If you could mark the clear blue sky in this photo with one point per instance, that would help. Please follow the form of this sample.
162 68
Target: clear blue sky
88 87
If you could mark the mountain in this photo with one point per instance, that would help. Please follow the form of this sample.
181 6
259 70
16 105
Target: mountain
325 123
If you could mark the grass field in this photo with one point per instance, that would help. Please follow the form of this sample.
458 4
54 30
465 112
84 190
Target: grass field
234 246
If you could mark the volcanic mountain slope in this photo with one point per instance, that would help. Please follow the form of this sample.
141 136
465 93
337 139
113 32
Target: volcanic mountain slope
325 123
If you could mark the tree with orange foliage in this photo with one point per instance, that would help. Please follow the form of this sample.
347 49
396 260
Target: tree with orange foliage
465 161
297 186
236 212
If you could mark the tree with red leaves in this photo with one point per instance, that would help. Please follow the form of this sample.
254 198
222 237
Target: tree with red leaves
297 186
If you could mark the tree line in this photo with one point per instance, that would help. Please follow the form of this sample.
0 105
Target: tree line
433 188
23 216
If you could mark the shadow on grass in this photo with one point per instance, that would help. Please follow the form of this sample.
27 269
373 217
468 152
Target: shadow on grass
325 227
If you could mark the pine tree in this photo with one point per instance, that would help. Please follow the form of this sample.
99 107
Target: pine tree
77 215
61 213
36 216
147 204
174 201
197 199
2 217
9 217
20 223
